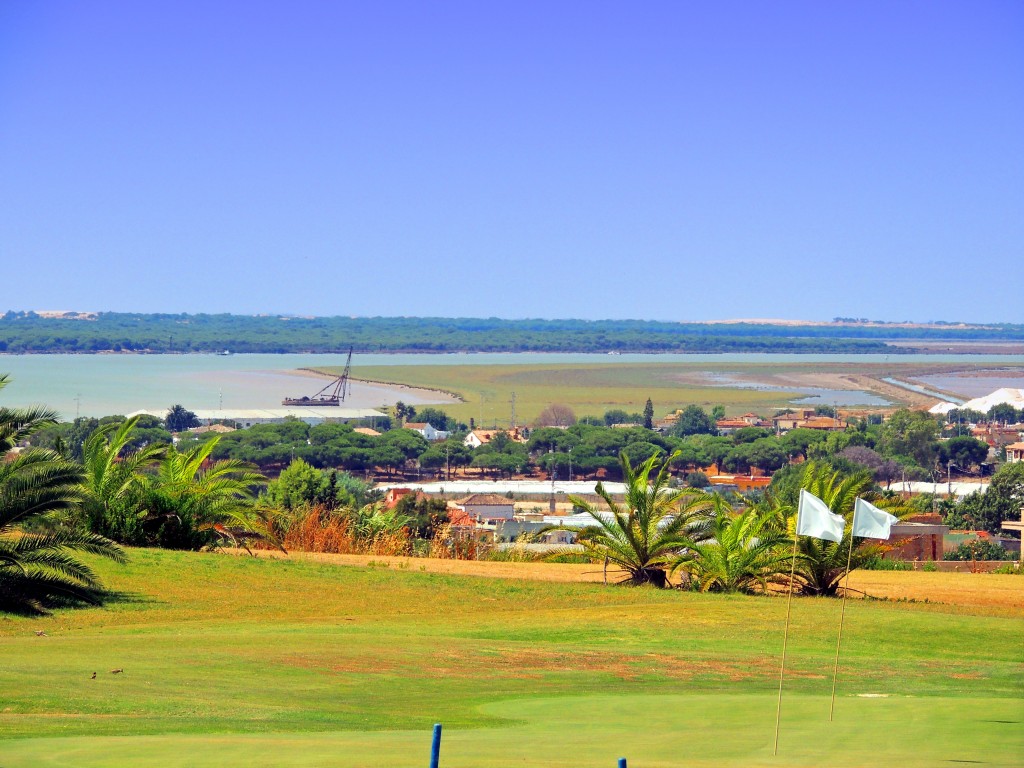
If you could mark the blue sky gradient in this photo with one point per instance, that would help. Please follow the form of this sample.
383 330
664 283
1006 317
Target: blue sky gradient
672 161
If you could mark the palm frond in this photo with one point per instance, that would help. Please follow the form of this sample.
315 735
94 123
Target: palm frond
37 570
645 532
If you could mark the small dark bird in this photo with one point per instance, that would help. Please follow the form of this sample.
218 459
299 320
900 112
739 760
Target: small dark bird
41 633
116 671
93 676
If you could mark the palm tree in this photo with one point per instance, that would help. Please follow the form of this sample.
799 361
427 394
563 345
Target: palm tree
372 521
821 564
114 481
194 493
746 549
178 419
644 534
40 569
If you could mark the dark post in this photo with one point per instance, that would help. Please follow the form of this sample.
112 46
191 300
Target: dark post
435 747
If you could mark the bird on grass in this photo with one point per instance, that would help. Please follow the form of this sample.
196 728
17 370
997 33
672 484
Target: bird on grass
116 671
41 633
93 676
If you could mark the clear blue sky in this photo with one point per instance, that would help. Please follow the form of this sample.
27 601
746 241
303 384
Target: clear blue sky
657 160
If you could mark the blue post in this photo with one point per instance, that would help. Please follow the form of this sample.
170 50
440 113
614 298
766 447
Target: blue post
435 747
622 762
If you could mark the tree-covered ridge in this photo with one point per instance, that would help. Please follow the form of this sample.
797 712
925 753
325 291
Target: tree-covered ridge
116 331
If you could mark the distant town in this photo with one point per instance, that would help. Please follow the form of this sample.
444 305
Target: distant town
495 485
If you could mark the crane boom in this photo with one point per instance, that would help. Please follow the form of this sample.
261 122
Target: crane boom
339 388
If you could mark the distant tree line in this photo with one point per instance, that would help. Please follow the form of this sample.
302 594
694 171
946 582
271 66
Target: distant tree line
27 332
909 445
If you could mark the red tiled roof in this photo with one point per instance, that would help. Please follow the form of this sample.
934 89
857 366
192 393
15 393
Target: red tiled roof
730 423
485 500
486 435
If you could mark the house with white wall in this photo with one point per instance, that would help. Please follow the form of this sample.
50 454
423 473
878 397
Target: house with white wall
427 430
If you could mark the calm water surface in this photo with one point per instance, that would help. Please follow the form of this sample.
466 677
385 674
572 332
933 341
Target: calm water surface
98 385
971 384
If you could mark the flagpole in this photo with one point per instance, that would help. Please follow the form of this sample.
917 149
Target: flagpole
842 615
785 637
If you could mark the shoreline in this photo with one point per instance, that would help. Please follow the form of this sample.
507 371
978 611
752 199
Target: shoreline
106 384
454 396
899 349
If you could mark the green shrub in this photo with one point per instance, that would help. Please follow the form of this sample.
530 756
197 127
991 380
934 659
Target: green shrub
979 549
1011 569
879 563
697 480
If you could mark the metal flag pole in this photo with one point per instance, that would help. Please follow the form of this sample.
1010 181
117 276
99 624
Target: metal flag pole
842 614
785 637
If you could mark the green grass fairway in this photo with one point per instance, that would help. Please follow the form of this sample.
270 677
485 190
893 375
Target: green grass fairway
655 731
256 662
590 389
593 388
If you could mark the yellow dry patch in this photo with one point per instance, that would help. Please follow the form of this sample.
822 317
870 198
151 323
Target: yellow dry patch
975 590
970 590
563 572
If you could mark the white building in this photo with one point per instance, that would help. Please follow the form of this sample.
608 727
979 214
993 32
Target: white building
427 430
247 417
519 488
484 506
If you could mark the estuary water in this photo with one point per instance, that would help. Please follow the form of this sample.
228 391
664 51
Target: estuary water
98 385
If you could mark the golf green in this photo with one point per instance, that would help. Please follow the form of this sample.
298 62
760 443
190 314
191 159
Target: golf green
229 661
701 729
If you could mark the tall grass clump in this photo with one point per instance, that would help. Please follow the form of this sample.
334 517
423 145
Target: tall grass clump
450 544
368 530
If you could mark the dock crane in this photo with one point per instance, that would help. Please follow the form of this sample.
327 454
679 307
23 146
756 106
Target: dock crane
338 389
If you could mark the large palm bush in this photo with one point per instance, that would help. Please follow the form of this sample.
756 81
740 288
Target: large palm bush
114 484
194 499
745 550
821 564
644 533
41 568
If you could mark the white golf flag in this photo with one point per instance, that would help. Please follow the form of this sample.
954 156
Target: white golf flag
814 518
870 522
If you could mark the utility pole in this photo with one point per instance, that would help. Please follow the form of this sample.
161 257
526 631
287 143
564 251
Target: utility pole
513 410
78 406
551 457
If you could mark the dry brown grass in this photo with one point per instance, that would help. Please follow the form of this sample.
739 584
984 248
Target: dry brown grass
571 572
323 531
974 590
963 589
447 545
